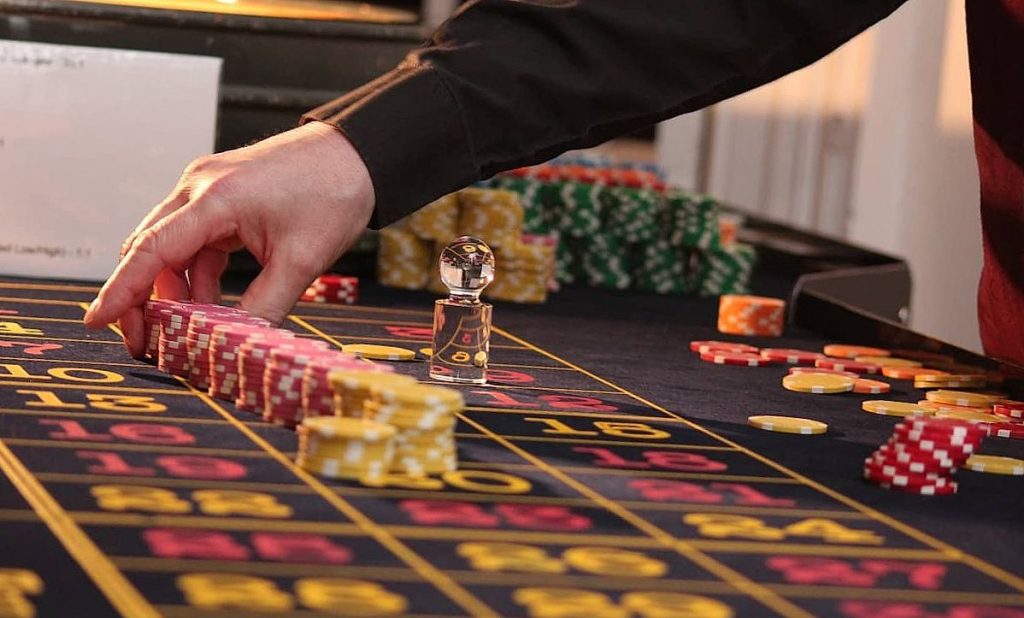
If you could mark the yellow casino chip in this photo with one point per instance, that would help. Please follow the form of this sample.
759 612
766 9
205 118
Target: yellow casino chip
818 383
895 408
994 464
379 352
787 424
961 398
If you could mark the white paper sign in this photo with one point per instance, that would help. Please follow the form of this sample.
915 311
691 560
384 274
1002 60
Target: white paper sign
90 140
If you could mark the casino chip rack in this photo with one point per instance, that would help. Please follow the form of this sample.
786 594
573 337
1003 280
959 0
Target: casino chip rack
127 493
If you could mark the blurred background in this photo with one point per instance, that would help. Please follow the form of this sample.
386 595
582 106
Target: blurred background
871 145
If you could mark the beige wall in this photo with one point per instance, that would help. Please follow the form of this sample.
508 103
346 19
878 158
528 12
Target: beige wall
872 144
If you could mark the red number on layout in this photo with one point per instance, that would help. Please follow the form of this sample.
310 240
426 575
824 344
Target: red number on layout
506 376
665 490
881 609
525 516
73 430
113 463
572 402
684 462
143 433
543 517
297 547
148 433
505 400
435 512
863 573
667 460
30 348
198 467
423 333
197 544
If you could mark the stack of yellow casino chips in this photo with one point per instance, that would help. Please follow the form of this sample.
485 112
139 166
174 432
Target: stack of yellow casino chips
491 214
424 418
438 221
352 389
404 259
523 271
346 448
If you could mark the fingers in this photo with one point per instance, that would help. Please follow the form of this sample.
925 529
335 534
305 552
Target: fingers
171 203
172 283
273 293
204 275
133 329
170 243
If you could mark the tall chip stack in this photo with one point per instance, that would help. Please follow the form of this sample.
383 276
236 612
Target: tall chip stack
409 249
621 227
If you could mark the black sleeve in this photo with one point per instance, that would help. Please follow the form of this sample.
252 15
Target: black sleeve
506 83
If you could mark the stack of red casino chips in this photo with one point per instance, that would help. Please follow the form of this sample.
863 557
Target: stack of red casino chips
152 324
923 454
225 340
172 350
253 356
200 332
317 394
282 380
334 289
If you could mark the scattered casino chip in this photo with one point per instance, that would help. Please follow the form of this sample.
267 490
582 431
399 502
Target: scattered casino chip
995 464
887 361
894 408
945 407
333 289
788 424
1009 409
865 386
839 350
842 364
910 373
379 352
950 380
760 316
970 416
740 359
725 346
428 352
848 374
960 398
791 356
818 383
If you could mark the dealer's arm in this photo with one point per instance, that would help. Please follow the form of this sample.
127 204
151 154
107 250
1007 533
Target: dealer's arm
504 83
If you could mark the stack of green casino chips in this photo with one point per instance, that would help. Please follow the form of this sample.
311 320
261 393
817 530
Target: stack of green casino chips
623 237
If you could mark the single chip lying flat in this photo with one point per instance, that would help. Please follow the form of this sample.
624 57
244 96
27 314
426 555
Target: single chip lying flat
895 408
378 352
818 383
787 424
994 464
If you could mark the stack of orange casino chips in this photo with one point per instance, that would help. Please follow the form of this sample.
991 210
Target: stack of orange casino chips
760 316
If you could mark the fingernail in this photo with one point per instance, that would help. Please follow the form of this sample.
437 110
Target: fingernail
91 311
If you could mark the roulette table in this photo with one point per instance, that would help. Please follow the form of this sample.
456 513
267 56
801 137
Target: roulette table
604 470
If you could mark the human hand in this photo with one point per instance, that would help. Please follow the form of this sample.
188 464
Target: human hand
296 201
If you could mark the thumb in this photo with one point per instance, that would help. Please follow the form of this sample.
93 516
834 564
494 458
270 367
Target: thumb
273 293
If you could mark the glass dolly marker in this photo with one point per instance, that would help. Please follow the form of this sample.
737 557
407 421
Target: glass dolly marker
462 324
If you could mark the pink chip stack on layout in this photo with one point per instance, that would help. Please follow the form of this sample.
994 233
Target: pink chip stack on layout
317 394
240 358
200 332
282 380
253 354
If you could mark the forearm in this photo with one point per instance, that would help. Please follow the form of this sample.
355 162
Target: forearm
505 84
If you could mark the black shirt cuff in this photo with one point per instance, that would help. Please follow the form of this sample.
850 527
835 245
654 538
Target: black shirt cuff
408 128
